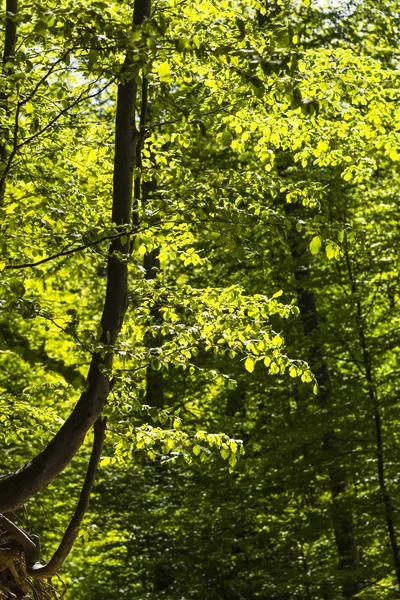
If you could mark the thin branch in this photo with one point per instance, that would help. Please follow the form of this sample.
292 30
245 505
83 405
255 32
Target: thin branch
45 76
17 147
66 252
80 99
38 570
177 120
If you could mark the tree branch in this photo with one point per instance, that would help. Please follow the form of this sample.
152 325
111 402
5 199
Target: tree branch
38 570
13 340
31 550
68 252
17 147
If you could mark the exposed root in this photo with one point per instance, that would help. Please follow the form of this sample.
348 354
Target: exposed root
15 584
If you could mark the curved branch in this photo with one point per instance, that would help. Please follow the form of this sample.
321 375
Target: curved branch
38 570
31 550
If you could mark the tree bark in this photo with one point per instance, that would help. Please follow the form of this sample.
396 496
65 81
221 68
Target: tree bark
18 487
38 570
151 260
10 34
10 41
31 550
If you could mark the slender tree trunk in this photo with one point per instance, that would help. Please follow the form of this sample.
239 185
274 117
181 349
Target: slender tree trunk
151 262
11 34
341 513
10 41
18 487
373 395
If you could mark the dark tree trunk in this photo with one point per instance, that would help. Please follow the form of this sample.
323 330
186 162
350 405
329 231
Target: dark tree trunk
10 40
341 513
151 263
10 34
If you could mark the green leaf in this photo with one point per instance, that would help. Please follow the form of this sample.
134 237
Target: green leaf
330 251
17 287
151 44
315 245
92 59
155 364
225 453
249 364
196 450
233 445
226 138
277 340
164 71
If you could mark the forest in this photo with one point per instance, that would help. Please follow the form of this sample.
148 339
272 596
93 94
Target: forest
199 299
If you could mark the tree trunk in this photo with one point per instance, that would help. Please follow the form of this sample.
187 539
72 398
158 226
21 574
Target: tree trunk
31 548
38 570
341 513
10 40
10 34
151 263
18 487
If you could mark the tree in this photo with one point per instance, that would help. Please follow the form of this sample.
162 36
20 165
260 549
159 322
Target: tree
210 108
80 42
